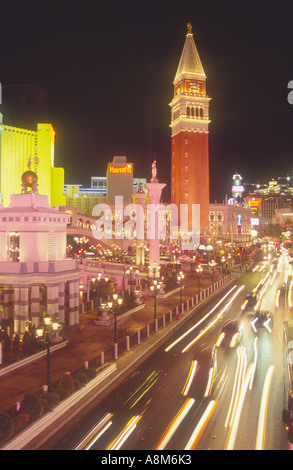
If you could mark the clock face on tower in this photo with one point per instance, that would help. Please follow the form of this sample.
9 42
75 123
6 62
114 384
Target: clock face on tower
193 87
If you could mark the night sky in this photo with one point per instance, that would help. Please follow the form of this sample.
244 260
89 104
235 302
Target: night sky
108 68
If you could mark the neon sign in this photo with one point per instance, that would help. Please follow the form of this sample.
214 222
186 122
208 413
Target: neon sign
122 169
238 188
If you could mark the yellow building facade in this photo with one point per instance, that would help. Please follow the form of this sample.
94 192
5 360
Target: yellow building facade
23 149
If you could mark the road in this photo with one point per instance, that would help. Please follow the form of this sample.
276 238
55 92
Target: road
157 407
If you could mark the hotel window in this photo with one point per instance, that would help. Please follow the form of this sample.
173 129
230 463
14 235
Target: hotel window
186 168
186 181
186 155
186 141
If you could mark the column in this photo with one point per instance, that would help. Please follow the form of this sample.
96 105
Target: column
154 191
23 309
8 307
73 303
61 295
16 310
52 300
35 304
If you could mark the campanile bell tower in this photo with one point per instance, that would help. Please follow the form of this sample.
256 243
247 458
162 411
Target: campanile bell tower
190 129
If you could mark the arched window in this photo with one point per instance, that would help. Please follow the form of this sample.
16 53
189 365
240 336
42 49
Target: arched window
197 112
192 112
201 112
188 111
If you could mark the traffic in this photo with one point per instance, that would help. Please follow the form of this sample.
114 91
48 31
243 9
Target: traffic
221 381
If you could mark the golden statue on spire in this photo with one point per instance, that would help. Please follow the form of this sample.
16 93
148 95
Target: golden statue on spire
189 27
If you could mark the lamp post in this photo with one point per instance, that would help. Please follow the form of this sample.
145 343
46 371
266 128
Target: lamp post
46 332
229 258
131 274
99 281
180 278
199 270
155 287
213 264
115 305
223 259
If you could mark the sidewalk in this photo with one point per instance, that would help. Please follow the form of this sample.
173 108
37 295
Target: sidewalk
87 343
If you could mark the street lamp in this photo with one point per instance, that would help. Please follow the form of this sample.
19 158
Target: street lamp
98 280
199 270
229 258
155 287
46 333
213 264
131 274
180 278
223 259
115 305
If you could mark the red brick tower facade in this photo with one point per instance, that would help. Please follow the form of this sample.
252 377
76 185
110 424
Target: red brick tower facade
189 124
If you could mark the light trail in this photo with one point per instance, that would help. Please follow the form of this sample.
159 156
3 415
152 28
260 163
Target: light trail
254 361
238 382
234 428
175 423
199 429
199 322
95 433
124 434
277 298
189 379
211 324
290 295
262 419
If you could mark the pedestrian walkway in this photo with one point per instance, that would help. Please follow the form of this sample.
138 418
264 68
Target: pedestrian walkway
87 344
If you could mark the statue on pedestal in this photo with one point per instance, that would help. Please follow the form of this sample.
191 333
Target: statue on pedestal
154 172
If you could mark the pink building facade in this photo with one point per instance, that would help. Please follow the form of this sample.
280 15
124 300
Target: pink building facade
35 276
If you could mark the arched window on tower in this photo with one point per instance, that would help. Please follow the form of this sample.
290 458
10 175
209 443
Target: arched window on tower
188 111
192 112
201 112
197 112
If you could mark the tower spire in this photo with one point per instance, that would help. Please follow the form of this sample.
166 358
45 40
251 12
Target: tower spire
190 65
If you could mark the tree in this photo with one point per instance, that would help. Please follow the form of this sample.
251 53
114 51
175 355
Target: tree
6 428
31 405
15 343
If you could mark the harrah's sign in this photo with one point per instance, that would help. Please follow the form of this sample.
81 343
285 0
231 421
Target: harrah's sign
122 169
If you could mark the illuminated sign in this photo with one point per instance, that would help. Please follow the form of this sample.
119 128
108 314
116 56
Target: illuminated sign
238 188
254 202
122 169
239 219
254 221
